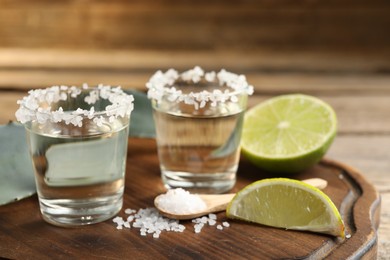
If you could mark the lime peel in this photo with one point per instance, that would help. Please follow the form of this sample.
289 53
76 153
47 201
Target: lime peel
288 133
287 203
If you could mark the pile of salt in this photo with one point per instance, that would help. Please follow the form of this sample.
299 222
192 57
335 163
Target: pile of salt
179 201
148 221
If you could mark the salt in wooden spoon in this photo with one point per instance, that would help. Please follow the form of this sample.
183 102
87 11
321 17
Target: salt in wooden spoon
218 202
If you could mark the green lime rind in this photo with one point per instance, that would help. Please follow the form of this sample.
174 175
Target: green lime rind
311 132
289 165
289 204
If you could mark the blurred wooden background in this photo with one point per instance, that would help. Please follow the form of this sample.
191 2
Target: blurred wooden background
196 25
338 50
44 42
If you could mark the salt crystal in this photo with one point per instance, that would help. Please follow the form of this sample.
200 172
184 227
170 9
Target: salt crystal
203 220
212 222
161 85
179 201
118 220
210 76
212 216
128 211
137 224
225 224
31 107
181 228
126 225
119 227
193 75
150 221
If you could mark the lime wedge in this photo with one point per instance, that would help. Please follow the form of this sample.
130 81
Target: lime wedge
289 204
288 133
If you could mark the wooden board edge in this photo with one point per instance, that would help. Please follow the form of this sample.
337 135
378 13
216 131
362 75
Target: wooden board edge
366 225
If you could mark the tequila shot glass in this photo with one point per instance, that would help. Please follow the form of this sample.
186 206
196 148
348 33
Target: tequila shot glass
198 117
78 144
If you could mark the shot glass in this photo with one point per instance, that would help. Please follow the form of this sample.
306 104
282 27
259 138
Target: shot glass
78 143
198 117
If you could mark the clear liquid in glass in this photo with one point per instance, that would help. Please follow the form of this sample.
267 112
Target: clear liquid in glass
80 179
199 153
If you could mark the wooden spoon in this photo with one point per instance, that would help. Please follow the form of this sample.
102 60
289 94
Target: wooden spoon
219 202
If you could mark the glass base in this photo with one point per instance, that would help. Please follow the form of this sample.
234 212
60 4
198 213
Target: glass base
199 182
68 213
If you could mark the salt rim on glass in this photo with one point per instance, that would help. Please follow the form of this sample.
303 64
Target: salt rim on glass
30 109
162 84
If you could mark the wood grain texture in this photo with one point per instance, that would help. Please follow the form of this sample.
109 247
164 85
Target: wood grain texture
195 25
356 198
335 50
259 60
362 141
356 86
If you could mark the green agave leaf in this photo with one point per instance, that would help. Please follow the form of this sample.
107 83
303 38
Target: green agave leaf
141 121
16 170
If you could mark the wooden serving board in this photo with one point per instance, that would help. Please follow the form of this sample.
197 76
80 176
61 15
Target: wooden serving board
24 235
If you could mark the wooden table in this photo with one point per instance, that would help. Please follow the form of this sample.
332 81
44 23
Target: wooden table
358 88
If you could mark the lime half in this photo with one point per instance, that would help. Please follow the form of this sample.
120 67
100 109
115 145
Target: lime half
288 133
289 204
